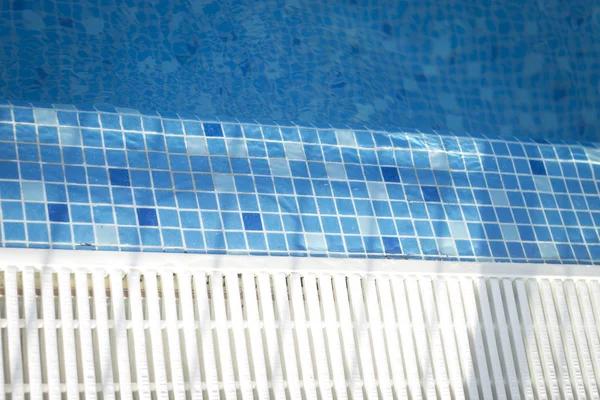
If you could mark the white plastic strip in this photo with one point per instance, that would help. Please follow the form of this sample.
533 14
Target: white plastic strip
594 287
314 335
52 367
447 335
186 310
85 334
406 330
3 387
378 341
517 339
256 341
156 334
239 335
31 329
556 342
580 346
476 333
319 350
435 339
361 329
502 329
287 335
334 348
538 325
298 304
67 329
490 338
422 345
347 336
139 335
104 343
462 337
15 366
568 339
391 336
224 361
273 355
206 334
590 323
170 309
121 342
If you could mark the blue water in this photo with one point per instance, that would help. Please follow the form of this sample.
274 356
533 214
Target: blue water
497 67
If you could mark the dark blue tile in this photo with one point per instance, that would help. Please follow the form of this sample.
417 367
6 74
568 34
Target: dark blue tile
119 177
213 130
58 212
147 217
537 167
430 193
390 174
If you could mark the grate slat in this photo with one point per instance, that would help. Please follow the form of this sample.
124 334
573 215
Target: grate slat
90 333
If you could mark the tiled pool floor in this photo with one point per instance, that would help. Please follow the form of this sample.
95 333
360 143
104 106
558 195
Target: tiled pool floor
496 67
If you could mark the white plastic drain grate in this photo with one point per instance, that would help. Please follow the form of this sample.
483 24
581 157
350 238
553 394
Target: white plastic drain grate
210 334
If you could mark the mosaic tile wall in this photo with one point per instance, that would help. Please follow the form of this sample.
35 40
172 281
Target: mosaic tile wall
508 67
118 179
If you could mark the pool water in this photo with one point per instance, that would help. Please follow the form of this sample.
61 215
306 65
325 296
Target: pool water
521 68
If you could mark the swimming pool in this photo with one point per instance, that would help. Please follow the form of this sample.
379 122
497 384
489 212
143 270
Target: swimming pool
288 129
255 135
496 67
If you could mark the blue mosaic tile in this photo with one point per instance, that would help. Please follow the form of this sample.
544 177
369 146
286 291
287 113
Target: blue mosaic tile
292 190
495 68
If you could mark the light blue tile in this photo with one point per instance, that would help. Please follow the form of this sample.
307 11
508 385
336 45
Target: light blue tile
446 247
33 191
106 235
316 242
70 136
499 198
439 160
459 230
224 183
45 116
345 138
294 151
542 184
335 171
368 226
279 167
510 232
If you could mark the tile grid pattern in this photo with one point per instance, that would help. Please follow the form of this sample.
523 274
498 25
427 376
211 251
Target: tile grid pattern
502 66
117 179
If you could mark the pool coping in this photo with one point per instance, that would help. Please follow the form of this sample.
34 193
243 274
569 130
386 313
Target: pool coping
114 260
